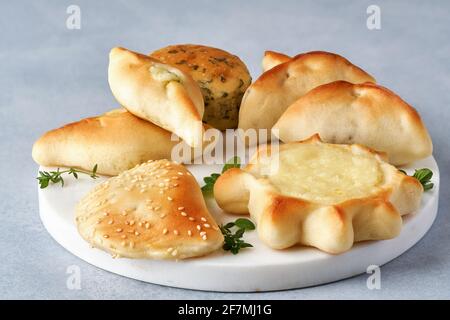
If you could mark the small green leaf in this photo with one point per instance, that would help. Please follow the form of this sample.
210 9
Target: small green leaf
245 224
46 177
233 242
424 176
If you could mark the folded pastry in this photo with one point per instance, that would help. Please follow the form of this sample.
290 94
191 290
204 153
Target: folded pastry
157 92
323 195
272 93
222 77
272 59
155 210
367 114
116 141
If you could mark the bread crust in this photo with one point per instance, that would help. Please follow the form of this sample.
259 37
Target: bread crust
155 211
157 92
368 114
115 142
277 88
272 59
222 77
284 221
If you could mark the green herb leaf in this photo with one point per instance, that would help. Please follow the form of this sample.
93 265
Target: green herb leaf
208 188
45 177
424 176
233 242
245 224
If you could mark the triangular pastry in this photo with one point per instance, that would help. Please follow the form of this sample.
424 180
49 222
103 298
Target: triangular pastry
157 92
155 210
276 89
367 114
323 195
115 141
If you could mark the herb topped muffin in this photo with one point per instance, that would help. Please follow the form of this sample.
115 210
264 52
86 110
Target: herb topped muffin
222 77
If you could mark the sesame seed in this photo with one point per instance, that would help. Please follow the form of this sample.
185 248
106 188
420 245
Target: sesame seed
174 252
105 236
206 225
140 224
156 208
110 222
175 185
147 225
202 233
131 222
136 233
169 198
191 219
123 236
203 219
180 173
184 214
169 249
119 230
189 233
163 215
180 208
199 227
165 231
175 232
105 214
204 237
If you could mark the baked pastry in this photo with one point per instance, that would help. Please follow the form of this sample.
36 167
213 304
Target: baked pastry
155 210
222 77
272 93
116 141
272 59
368 114
157 92
323 195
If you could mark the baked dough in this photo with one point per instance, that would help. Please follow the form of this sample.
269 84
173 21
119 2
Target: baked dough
157 92
155 210
367 114
222 77
116 141
272 59
272 93
323 195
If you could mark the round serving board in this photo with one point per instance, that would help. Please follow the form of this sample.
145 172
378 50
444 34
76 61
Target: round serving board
255 269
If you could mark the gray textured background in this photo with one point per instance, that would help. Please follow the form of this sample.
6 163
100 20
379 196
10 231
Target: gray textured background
51 75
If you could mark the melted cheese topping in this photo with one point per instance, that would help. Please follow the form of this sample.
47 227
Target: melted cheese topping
159 73
326 174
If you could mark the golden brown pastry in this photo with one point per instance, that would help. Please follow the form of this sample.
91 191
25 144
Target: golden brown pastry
116 141
155 210
367 114
157 92
276 89
323 195
272 59
222 77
